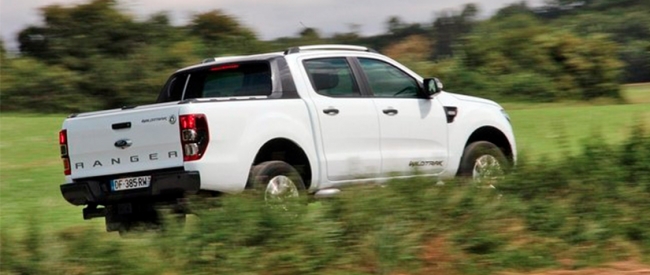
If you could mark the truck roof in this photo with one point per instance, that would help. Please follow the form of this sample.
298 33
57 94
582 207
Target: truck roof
269 56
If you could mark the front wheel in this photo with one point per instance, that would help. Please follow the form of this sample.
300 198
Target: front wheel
484 163
278 181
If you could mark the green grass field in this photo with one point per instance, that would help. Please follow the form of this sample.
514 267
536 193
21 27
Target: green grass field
553 132
31 172
555 129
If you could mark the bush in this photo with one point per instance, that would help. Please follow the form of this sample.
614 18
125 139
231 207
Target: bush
577 208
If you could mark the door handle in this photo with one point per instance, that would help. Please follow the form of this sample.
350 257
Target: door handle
390 111
331 111
122 125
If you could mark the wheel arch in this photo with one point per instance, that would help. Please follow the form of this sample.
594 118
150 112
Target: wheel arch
496 137
286 150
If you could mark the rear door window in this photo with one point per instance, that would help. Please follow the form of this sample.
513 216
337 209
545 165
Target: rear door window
332 77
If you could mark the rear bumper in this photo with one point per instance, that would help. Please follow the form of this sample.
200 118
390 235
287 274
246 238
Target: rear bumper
164 185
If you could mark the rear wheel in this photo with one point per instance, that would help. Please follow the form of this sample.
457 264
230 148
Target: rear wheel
484 163
277 182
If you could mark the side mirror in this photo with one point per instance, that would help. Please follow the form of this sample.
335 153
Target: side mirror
432 86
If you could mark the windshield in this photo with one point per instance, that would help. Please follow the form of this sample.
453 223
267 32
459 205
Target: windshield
223 80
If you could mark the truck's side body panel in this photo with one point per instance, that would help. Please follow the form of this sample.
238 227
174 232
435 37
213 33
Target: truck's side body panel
428 147
413 139
350 144
238 129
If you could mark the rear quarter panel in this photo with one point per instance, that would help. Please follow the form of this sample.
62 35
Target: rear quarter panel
238 129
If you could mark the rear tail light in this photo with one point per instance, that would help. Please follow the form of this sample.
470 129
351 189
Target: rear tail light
63 144
194 136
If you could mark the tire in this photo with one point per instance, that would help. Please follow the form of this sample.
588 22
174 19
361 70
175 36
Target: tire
484 163
276 181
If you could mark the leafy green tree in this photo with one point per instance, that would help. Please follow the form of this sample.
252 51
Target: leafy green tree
222 34
450 27
395 24
215 25
81 31
636 56
396 30
515 8
525 59
310 33
623 21
31 85
100 56
601 5
93 55
3 52
352 37
412 49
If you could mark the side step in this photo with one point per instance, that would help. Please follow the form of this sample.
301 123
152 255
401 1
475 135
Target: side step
326 193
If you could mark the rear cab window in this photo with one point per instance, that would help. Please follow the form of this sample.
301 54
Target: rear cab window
233 80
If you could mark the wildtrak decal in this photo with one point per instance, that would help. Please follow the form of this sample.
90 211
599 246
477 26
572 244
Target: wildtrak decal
425 163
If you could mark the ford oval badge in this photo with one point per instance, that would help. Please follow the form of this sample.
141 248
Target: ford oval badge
123 143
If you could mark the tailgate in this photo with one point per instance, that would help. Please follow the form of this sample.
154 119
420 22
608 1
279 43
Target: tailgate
124 141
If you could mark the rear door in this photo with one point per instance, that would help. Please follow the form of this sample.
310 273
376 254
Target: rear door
413 130
348 120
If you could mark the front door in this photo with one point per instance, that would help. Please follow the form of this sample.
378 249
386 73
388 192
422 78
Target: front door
413 130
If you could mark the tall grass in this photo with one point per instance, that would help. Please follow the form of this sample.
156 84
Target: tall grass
583 210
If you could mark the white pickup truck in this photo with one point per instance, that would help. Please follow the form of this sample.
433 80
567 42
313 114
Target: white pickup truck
307 121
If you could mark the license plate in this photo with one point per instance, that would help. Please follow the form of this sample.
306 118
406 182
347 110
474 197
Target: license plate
130 183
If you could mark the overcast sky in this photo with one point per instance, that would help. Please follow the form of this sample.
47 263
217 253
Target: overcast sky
268 18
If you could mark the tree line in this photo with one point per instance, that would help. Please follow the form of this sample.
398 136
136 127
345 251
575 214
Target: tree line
95 56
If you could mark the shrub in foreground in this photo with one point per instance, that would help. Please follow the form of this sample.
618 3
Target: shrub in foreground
585 210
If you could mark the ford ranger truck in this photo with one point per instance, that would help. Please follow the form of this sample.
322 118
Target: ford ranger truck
304 122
